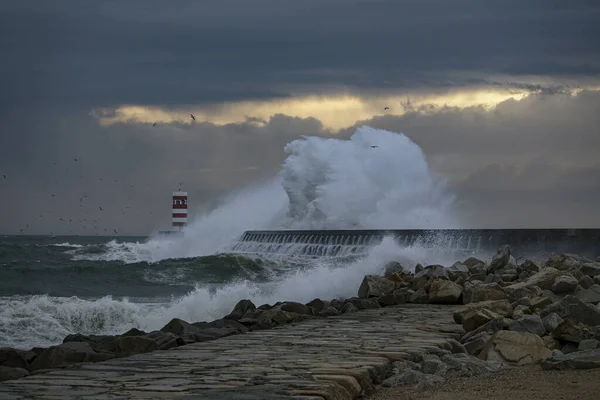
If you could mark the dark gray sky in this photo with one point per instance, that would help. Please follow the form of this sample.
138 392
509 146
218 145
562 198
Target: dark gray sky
530 161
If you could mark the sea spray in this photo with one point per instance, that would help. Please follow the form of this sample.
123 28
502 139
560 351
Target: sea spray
375 179
41 320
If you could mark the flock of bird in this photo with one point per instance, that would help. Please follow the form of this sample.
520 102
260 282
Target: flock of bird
85 221
92 213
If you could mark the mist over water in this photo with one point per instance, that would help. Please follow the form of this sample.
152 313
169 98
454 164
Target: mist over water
375 180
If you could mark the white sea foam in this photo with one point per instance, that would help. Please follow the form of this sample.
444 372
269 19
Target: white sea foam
323 184
29 321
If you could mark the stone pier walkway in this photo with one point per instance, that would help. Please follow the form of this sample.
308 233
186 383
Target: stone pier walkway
322 359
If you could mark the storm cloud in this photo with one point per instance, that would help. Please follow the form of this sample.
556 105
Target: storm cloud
527 161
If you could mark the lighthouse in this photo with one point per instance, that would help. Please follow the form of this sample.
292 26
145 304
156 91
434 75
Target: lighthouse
179 212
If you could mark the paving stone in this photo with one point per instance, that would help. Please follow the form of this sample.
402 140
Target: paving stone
337 358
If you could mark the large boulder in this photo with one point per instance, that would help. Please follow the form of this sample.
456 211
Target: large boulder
69 353
543 279
130 345
476 318
589 295
572 332
500 259
501 307
528 323
444 292
591 269
458 271
10 373
530 266
165 340
519 348
585 359
375 286
13 359
570 307
564 284
434 271
486 292
240 309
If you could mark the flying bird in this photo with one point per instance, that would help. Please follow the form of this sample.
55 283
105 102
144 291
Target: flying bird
386 108
75 159
374 146
4 176
192 115
115 231
154 124
100 208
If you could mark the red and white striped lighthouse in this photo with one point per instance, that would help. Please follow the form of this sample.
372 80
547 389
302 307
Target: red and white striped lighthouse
180 200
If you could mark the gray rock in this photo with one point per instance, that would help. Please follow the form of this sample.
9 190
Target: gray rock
467 366
240 309
411 377
520 311
591 269
364 304
458 270
528 323
523 301
491 327
129 345
574 332
573 308
419 297
500 307
477 343
564 284
539 303
475 265
295 307
586 359
329 311
349 308
590 295
492 278
12 358
68 353
434 367
597 279
165 340
556 352
551 321
444 292
589 344
569 348
392 267
477 318
236 326
530 266
317 304
10 373
375 286
500 259
519 348
399 366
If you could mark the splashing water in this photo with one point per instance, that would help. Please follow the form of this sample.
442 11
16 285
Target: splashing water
323 184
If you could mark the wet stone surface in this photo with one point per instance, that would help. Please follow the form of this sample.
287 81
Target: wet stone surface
336 358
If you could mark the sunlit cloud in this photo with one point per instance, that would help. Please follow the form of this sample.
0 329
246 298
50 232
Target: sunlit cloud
335 112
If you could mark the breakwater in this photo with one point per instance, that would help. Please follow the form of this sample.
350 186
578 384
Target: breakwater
334 243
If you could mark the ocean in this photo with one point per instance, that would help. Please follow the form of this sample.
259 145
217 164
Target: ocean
54 286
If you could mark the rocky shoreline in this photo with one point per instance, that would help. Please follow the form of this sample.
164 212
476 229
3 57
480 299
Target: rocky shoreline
534 312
